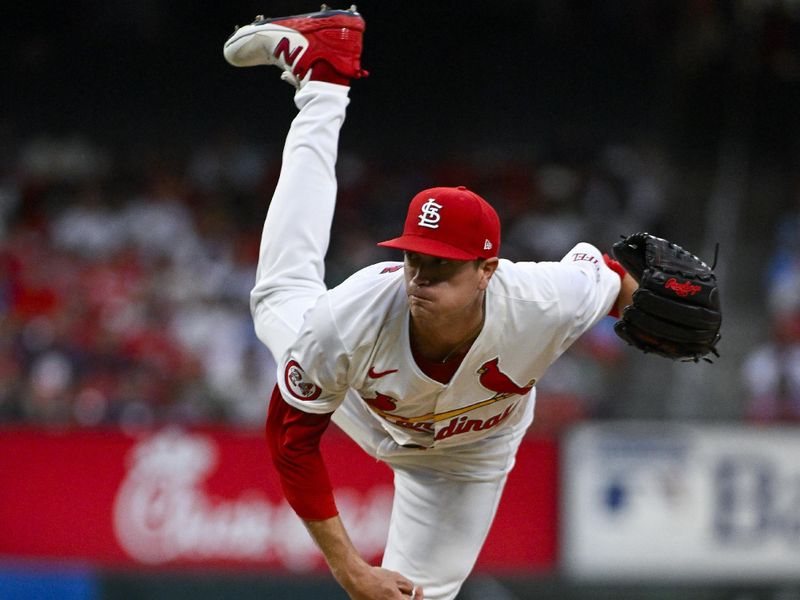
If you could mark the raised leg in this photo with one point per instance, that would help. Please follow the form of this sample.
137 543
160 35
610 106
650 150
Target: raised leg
296 232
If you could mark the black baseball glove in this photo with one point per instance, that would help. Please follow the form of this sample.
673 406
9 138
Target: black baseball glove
675 311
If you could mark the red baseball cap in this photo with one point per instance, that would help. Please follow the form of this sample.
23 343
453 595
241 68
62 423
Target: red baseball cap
449 222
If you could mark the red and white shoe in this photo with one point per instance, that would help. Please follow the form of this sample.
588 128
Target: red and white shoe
320 46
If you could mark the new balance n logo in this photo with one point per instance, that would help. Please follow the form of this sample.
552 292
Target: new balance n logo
283 47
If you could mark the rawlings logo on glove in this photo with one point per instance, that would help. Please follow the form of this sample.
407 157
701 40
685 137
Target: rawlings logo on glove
675 311
682 289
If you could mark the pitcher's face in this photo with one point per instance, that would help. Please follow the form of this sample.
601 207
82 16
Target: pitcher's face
438 287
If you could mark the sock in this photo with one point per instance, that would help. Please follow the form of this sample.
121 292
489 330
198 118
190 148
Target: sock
323 71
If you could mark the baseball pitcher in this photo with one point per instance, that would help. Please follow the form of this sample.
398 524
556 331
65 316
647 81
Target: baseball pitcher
429 364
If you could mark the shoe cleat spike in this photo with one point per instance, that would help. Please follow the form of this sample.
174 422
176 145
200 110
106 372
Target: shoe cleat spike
258 18
324 7
353 8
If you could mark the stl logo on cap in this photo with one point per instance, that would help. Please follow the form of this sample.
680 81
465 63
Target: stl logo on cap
429 215
469 230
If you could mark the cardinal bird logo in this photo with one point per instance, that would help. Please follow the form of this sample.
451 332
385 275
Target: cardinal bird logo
382 402
494 380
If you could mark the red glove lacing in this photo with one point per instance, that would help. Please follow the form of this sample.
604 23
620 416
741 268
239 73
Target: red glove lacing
619 270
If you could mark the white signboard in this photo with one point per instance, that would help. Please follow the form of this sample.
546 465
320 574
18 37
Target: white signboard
680 502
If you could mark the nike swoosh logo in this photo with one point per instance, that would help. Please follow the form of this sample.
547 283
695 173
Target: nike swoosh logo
373 374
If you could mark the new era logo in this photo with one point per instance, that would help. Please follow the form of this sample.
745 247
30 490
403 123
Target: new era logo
487 245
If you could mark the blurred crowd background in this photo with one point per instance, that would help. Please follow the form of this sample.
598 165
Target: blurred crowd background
136 169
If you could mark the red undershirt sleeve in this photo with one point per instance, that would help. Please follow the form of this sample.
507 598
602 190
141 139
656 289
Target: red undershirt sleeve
619 270
293 437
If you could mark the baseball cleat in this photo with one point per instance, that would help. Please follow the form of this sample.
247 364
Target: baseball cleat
298 43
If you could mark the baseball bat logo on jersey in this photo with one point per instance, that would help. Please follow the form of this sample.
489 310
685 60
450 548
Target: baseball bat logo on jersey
429 215
490 377
297 384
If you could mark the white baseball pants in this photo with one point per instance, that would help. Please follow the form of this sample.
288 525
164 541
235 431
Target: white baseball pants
444 502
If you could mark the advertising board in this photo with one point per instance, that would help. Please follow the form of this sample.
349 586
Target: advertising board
175 498
682 502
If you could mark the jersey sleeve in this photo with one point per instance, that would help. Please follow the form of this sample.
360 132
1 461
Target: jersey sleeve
293 437
313 373
587 290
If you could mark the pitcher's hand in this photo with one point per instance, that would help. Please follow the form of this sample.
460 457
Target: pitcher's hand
377 583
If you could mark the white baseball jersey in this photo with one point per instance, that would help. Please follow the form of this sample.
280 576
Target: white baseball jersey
357 337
